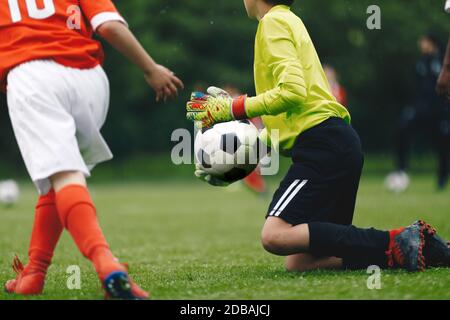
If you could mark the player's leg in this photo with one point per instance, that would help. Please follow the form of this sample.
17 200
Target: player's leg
46 232
63 179
73 198
321 185
281 238
50 132
78 215
353 248
36 118
45 235
443 149
255 182
413 247
405 130
309 200
342 213
321 239
302 262
360 247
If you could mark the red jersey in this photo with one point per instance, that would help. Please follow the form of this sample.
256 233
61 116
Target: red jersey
60 30
340 94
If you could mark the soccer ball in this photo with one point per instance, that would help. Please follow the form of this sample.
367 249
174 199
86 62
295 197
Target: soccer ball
228 151
9 192
397 181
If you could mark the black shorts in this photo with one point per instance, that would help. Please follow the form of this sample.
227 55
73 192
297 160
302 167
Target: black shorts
323 180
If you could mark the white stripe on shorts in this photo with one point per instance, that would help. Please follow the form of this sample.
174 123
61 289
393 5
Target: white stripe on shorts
293 194
285 194
277 211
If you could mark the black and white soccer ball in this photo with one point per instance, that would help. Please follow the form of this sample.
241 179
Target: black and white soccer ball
228 151
9 193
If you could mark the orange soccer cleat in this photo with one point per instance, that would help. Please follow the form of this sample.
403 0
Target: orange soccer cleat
27 282
46 231
78 215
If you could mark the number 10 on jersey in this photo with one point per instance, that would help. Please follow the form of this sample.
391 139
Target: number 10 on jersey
33 11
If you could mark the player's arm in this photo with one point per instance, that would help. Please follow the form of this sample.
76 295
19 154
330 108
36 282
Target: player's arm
109 24
278 45
286 69
443 84
161 79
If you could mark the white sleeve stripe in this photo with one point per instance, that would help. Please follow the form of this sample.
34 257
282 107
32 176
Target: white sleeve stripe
103 17
447 6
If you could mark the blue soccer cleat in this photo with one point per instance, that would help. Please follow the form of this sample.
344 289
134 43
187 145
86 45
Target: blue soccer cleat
119 285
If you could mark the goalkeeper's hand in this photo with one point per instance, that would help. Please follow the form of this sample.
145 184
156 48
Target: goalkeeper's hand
214 107
204 176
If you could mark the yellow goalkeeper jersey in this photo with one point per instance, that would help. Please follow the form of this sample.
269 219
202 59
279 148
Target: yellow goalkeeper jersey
293 94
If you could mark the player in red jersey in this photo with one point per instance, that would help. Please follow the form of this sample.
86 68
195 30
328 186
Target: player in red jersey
443 84
58 96
337 89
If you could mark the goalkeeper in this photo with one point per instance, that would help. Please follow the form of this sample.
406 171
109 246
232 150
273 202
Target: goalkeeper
310 218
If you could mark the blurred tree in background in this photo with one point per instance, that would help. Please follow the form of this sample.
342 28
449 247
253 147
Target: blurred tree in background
211 43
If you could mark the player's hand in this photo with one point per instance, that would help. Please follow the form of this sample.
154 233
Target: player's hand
443 84
164 82
214 107
206 177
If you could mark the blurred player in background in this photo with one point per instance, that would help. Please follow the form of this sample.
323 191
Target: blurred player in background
254 181
443 84
58 97
428 114
337 89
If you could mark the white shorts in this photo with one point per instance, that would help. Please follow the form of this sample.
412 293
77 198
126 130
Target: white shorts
57 113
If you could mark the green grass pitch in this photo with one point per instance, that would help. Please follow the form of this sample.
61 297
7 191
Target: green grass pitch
184 246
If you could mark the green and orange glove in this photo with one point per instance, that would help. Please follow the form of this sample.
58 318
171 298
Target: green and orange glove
214 107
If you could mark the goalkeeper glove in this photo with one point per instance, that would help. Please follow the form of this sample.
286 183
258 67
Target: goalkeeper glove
214 107
206 177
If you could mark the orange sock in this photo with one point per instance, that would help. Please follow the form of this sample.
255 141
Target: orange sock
47 229
78 215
